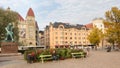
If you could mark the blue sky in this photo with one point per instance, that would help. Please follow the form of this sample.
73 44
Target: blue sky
68 11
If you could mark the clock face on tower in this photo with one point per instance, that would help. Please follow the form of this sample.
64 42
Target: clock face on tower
22 33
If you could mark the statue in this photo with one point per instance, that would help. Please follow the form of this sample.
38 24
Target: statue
8 45
9 34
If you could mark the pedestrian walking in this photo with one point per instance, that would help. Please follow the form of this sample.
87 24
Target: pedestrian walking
88 50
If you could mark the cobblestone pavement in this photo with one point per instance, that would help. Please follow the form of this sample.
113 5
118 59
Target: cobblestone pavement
96 59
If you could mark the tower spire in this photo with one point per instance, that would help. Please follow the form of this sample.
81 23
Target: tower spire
30 12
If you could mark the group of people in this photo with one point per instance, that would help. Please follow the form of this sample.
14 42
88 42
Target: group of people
30 58
108 48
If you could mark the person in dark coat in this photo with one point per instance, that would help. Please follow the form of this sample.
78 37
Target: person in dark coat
29 58
54 55
109 49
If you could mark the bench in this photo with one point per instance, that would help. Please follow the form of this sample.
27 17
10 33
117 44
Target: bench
45 57
78 55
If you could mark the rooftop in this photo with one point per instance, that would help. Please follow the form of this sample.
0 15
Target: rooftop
30 12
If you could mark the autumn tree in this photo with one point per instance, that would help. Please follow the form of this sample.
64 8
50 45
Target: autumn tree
8 16
112 23
95 36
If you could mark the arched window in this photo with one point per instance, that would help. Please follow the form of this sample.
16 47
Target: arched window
30 43
61 26
83 28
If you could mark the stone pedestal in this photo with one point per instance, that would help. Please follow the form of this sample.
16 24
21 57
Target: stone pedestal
9 47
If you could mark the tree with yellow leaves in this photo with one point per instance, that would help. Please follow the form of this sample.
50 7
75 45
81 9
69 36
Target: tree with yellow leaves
95 36
112 23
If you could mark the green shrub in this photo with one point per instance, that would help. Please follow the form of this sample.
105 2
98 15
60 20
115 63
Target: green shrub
76 50
61 52
39 52
68 53
46 52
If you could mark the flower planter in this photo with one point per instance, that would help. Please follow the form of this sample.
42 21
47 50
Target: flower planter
62 58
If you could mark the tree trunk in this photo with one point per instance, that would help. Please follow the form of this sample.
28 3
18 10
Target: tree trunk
113 46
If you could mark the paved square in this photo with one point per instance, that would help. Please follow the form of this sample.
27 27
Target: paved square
96 59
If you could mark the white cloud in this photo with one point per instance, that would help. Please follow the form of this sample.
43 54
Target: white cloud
72 11
80 11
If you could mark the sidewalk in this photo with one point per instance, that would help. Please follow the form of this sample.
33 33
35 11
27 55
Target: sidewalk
96 59
9 54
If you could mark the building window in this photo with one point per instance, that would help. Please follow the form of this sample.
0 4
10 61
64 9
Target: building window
56 42
75 38
70 33
56 37
65 33
22 33
61 27
75 33
30 43
83 38
84 42
70 37
75 42
83 28
29 21
65 37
